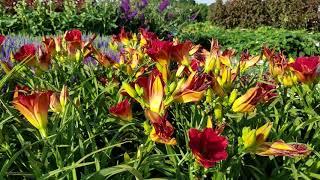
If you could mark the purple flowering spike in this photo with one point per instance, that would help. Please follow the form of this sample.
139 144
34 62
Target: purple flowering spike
163 5
125 6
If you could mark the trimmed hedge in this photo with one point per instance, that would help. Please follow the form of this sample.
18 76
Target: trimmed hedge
289 14
294 43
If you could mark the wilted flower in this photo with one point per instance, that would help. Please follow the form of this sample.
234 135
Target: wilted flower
44 59
277 62
254 141
49 45
247 61
208 146
55 105
34 107
280 148
267 91
306 68
104 59
123 110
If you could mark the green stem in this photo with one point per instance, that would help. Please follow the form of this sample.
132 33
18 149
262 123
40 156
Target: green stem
43 133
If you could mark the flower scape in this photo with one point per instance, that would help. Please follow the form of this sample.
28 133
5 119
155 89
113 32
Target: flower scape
144 107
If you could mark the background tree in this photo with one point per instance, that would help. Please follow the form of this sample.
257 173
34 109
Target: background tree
217 12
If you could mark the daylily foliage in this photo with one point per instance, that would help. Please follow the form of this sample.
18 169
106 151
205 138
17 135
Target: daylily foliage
150 82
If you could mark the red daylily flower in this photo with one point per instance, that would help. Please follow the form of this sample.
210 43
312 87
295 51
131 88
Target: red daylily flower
2 40
208 146
160 51
192 89
74 40
26 52
146 37
74 35
153 91
180 52
306 68
123 110
196 64
122 37
261 93
33 106
267 91
162 129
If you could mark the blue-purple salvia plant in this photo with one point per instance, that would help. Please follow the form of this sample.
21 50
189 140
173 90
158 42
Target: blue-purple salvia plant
131 11
125 7
163 5
143 4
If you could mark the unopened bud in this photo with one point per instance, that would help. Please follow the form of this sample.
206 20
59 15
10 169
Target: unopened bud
128 89
233 96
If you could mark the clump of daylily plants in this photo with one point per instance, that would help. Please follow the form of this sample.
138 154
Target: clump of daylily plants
156 74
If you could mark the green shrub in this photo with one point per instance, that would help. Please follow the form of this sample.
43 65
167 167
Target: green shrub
293 14
294 43
103 17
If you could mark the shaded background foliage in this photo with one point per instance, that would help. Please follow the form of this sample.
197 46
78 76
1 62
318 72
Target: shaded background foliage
291 14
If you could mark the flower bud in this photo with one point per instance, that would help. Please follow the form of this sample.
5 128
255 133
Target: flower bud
128 89
218 112
78 56
55 104
233 96
63 97
172 87
209 95
138 89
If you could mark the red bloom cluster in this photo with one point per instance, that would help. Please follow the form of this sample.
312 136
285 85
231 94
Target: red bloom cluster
306 68
2 39
208 146
26 52
122 110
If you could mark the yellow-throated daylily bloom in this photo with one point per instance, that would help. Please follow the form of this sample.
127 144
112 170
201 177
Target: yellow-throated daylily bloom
262 92
151 91
255 137
192 89
162 130
248 101
254 141
34 107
